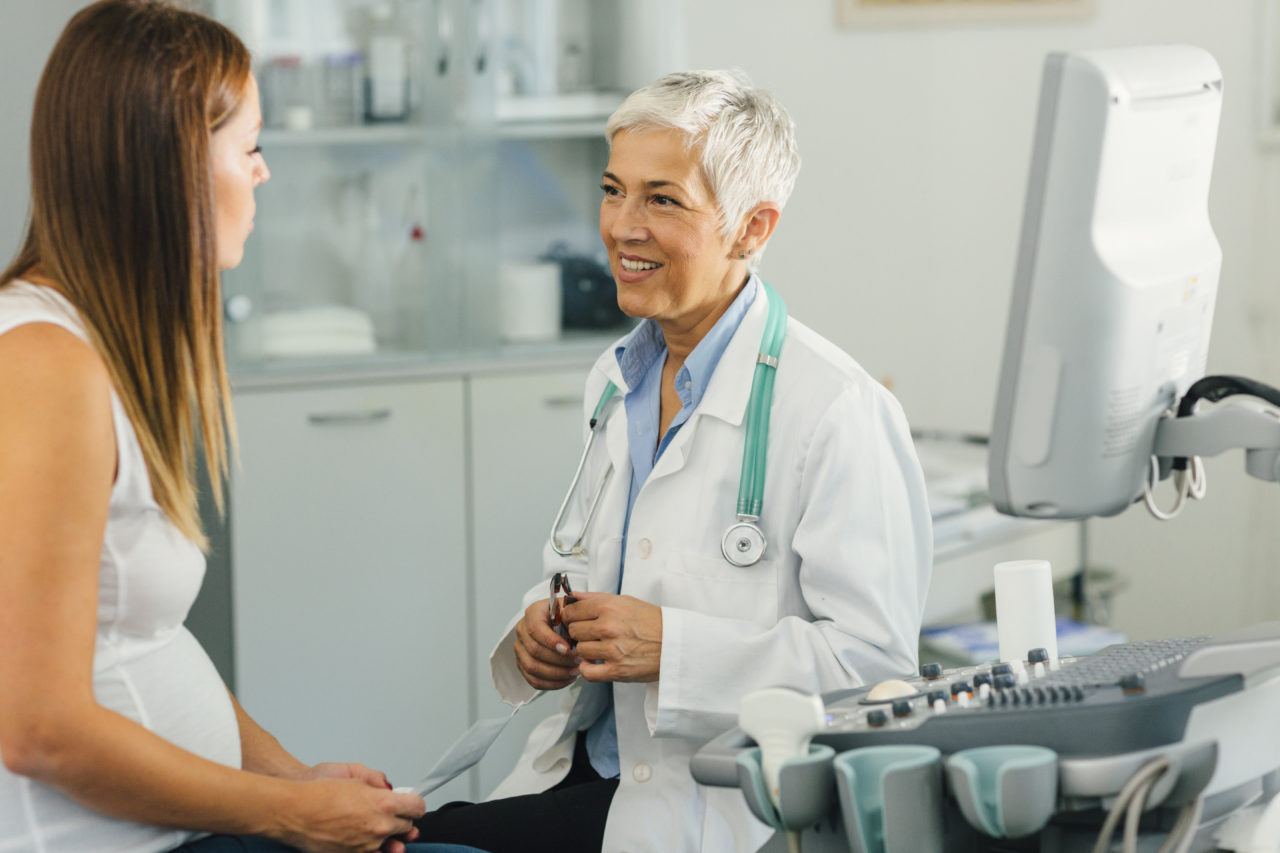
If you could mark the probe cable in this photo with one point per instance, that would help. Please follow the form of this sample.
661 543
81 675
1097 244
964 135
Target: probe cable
1132 801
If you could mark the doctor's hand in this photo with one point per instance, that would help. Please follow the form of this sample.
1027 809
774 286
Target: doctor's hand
542 655
619 637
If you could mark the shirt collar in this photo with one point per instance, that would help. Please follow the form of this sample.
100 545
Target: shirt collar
636 352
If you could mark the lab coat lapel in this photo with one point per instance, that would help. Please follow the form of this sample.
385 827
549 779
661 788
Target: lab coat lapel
729 390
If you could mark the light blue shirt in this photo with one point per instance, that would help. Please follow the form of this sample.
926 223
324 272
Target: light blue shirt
641 356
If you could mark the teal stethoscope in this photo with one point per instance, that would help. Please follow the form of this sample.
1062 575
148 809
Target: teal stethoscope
743 543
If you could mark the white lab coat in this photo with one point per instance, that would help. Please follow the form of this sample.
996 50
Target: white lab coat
836 601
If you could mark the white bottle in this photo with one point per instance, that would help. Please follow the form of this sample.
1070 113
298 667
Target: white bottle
387 68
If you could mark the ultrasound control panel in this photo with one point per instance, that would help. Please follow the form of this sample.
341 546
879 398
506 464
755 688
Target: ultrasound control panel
1124 698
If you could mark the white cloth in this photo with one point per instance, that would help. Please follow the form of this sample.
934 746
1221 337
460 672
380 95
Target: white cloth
146 665
836 601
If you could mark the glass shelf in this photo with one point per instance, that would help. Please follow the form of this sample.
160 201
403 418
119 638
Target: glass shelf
374 134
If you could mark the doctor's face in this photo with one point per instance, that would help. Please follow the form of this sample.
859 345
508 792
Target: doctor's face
238 168
660 223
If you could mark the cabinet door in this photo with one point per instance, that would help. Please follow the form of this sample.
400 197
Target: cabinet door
526 439
349 575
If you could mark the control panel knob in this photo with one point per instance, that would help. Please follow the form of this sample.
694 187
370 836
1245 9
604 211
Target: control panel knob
902 708
960 687
1005 681
980 678
1002 669
1134 682
931 671
877 718
935 695
1038 656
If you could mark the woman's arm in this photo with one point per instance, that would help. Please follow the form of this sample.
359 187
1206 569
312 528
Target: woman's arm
57 466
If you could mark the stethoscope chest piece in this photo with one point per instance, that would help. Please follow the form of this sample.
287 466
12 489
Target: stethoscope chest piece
743 544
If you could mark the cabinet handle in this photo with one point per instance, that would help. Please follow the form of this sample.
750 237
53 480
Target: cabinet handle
369 416
563 401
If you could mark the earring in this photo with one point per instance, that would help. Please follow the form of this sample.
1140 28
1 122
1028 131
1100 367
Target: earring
741 256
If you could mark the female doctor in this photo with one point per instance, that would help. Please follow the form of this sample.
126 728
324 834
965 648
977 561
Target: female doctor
686 602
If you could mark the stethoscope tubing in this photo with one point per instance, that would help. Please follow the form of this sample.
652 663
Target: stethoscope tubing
752 478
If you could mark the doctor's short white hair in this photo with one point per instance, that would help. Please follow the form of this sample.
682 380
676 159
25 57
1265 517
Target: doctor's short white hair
745 138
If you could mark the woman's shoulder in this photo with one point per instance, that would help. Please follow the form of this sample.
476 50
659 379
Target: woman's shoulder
23 303
44 350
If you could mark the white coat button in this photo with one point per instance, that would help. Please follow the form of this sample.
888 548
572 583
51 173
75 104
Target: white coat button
642 772
645 547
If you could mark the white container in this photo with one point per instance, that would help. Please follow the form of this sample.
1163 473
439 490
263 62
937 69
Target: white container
387 69
529 302
1025 618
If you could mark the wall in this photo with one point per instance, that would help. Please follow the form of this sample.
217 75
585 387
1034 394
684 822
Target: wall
900 239
26 36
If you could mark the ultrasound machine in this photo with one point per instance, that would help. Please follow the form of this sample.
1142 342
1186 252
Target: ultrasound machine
1169 745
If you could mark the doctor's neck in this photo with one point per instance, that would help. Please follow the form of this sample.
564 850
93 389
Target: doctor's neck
684 333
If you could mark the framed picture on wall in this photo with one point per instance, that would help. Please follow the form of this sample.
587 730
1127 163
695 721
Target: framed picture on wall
856 13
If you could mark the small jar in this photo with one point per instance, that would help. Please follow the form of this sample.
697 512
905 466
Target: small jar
342 89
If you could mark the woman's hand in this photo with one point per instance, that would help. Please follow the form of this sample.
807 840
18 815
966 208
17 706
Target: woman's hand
543 656
372 778
336 770
619 637
340 815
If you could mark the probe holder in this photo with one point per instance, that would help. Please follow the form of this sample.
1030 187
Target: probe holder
1005 791
806 789
891 797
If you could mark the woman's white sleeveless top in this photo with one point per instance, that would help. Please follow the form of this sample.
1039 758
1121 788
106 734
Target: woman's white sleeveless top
146 665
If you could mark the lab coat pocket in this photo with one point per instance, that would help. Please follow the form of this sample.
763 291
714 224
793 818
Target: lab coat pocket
716 588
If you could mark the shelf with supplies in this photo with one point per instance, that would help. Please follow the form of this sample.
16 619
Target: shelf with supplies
576 114
365 134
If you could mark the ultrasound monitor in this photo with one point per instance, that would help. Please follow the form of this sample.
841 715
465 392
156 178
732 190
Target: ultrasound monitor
1115 282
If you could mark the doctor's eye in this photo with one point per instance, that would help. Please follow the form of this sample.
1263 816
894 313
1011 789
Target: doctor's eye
610 190
257 149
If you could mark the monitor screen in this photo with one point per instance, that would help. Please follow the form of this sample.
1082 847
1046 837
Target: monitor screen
1115 282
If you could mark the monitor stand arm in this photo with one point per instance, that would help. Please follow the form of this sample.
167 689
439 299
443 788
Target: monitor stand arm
1227 427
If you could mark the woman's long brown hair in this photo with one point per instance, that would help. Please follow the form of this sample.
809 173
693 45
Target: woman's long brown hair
122 221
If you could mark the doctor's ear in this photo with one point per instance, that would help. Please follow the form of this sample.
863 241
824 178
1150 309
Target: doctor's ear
756 229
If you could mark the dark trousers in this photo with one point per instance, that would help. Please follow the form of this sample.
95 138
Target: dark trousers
568 818
247 844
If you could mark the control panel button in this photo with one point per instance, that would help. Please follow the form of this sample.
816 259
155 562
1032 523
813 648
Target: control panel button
1038 656
1134 682
931 671
902 708
877 718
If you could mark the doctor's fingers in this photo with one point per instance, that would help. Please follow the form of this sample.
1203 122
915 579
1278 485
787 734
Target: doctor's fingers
542 641
536 626
543 676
